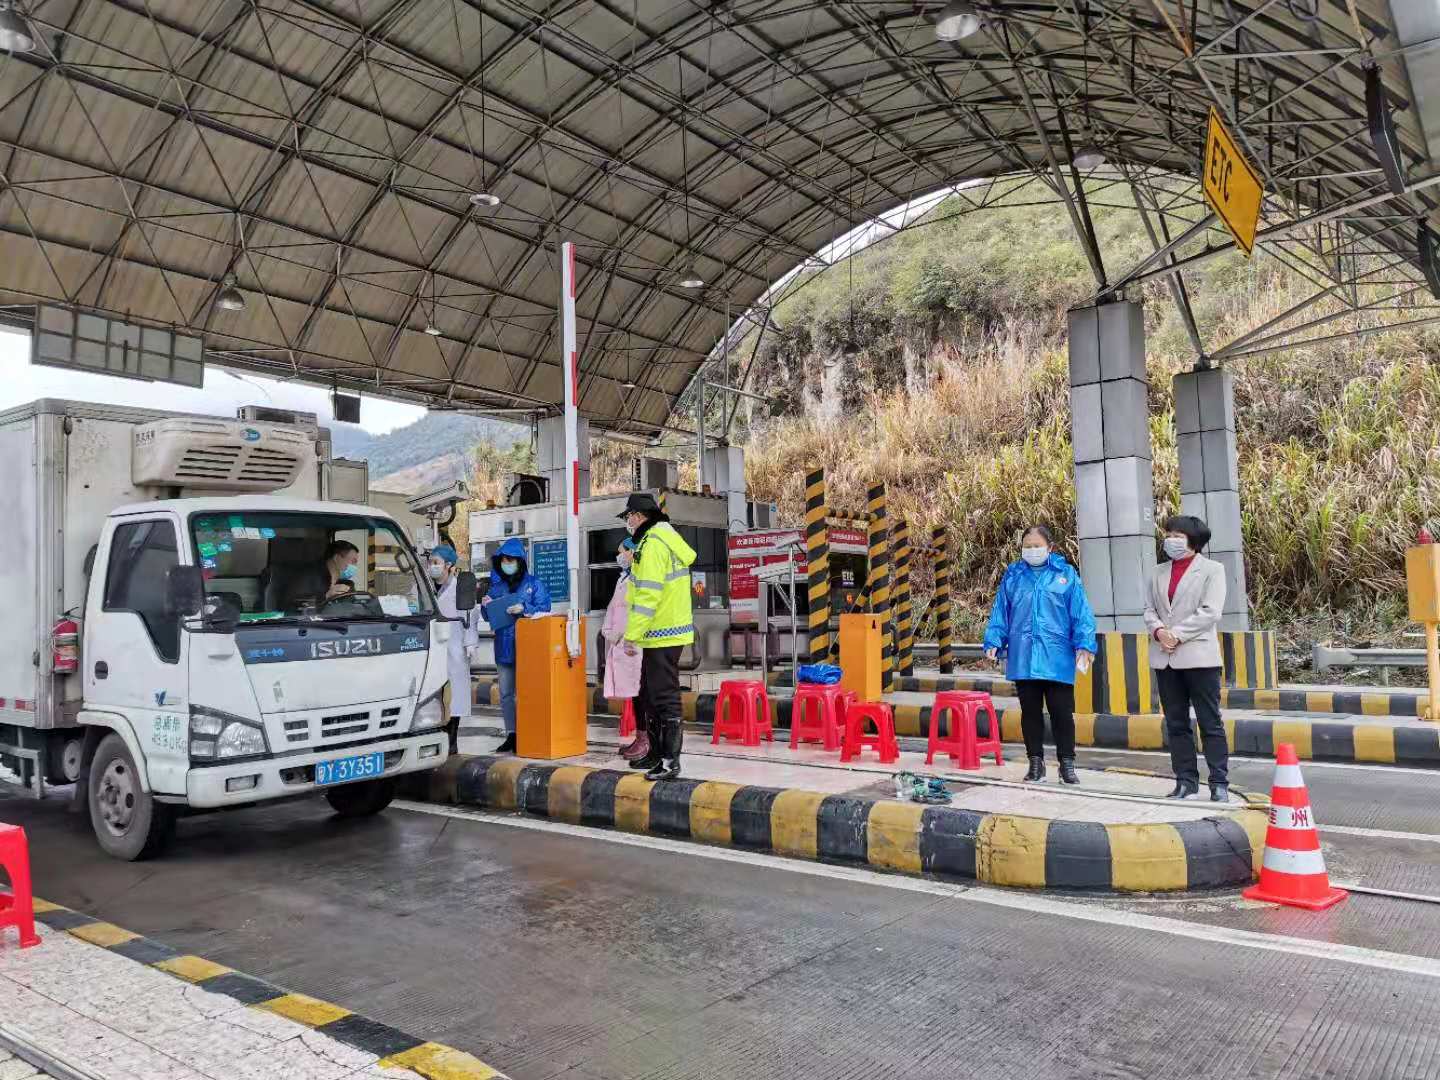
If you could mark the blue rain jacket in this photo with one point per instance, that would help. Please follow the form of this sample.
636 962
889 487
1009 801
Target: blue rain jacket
1041 618
531 592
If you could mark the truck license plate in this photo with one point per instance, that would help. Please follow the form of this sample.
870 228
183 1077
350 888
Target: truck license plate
346 769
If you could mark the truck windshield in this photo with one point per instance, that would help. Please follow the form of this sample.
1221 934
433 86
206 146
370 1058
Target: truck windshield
267 566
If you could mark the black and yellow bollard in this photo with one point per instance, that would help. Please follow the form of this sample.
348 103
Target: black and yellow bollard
817 557
879 584
944 629
904 605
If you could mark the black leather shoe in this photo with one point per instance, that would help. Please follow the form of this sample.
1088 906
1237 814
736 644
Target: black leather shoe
669 769
506 747
649 761
1184 790
1067 771
1219 792
1037 770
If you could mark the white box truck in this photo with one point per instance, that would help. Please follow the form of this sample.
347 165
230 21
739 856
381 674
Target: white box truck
173 639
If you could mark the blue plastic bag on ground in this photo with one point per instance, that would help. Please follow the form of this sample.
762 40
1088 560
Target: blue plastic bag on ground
823 674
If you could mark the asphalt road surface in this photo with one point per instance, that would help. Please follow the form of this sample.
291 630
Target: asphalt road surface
553 951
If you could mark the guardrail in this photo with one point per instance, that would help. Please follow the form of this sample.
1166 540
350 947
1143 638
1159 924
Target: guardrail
1326 657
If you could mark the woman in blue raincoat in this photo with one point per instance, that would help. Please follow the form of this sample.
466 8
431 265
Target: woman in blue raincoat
1042 624
514 594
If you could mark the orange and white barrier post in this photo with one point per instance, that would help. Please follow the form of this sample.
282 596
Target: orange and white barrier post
1293 870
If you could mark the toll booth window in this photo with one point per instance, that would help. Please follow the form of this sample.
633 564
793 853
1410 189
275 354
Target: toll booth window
601 546
712 560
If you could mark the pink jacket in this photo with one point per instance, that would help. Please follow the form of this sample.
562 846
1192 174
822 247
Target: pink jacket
622 672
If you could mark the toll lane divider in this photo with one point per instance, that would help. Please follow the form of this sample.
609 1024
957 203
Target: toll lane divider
1249 736
393 1047
1346 702
947 842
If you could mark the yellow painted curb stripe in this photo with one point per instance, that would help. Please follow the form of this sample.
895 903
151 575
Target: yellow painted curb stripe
193 968
1146 858
312 1012
104 934
632 803
563 793
44 907
1296 732
1010 850
1146 732
710 811
437 1062
1084 729
893 836
500 779
794 823
1255 823
1375 742
1375 704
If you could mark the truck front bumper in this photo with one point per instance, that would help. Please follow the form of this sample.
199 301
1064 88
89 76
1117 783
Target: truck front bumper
212 786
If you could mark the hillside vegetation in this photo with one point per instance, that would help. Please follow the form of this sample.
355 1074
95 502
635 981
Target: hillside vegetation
958 401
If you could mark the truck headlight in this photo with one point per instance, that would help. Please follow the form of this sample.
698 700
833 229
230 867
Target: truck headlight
216 735
430 713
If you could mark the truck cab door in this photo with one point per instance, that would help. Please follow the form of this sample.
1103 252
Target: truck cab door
134 657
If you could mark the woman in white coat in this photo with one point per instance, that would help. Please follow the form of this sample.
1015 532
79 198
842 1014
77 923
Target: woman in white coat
444 569
622 669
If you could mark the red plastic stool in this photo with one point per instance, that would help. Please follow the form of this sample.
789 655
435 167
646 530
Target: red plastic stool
18 908
963 743
627 719
817 714
879 714
742 711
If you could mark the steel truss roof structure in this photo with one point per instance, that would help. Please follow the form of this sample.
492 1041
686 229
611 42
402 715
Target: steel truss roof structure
326 153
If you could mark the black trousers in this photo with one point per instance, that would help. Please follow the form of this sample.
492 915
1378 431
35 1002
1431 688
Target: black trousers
1182 689
659 696
1037 696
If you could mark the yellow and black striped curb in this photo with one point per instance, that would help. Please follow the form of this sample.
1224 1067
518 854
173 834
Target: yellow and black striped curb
394 1048
944 841
1248 736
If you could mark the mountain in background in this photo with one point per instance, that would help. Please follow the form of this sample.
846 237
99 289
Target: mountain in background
431 452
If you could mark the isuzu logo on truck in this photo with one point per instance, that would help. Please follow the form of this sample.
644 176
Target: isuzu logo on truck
357 647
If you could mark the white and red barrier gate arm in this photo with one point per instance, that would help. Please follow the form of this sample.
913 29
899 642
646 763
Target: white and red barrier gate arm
572 443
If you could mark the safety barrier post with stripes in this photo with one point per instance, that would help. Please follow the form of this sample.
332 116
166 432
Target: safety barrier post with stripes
944 620
817 556
660 499
879 584
904 605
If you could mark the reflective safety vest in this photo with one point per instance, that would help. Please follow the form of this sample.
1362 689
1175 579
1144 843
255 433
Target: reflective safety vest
660 613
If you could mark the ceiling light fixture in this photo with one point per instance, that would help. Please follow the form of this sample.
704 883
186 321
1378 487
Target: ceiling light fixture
16 33
432 329
229 298
956 21
1089 157
484 200
690 277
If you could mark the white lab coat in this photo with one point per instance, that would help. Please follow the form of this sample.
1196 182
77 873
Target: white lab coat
462 635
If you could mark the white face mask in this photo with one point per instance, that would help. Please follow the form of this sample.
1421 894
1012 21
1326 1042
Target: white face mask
508 566
1177 547
437 571
1035 556
625 558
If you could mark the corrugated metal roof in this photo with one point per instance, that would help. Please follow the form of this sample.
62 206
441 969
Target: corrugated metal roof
324 152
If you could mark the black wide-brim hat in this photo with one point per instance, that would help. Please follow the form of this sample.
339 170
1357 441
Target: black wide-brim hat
640 502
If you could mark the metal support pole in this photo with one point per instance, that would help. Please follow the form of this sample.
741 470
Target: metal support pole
879 582
904 608
944 635
700 437
571 362
817 550
1432 664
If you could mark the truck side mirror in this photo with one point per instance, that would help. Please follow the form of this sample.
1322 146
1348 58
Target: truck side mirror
465 591
184 591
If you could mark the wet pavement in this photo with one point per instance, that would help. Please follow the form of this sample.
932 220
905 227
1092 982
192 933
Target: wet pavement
549 952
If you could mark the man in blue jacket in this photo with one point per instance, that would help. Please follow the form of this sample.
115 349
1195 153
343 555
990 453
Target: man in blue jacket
1042 622
514 594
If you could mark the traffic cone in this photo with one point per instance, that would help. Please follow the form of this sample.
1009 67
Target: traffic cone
1293 871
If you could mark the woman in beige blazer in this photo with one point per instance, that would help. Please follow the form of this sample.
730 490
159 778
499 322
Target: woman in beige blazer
1184 600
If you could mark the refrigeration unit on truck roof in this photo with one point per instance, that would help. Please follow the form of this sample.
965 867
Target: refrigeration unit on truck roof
196 453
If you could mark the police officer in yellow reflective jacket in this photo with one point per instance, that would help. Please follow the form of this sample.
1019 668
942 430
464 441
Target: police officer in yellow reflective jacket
660 623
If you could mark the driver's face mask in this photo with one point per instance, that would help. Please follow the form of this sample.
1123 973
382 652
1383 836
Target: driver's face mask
437 571
348 574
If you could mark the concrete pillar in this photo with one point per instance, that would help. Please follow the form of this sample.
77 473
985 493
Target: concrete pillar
1114 488
1210 477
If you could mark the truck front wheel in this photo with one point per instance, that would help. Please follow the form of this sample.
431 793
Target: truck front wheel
362 799
63 757
127 820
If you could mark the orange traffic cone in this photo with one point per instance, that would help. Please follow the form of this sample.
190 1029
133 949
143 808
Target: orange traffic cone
1293 871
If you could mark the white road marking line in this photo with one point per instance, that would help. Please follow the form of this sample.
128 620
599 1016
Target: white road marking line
1381 834
978 894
